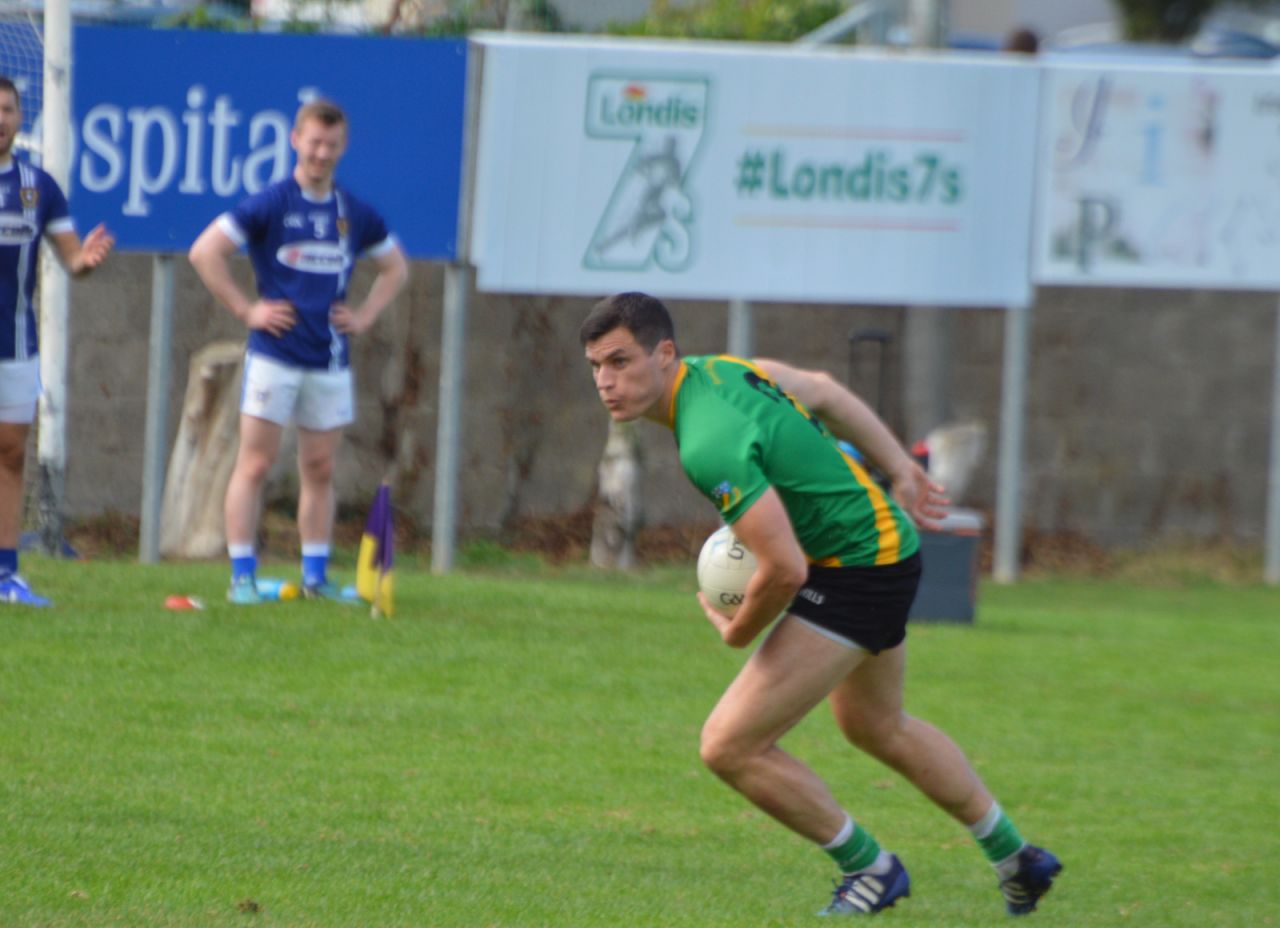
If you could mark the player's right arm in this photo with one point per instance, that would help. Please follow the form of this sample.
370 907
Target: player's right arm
781 570
210 255
848 417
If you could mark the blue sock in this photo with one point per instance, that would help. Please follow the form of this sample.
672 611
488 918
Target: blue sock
315 564
244 562
8 562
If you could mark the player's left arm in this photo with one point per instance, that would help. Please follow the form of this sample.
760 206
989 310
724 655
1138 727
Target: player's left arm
781 570
848 417
80 257
393 274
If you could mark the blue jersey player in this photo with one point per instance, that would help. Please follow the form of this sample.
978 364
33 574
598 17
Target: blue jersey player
303 235
31 207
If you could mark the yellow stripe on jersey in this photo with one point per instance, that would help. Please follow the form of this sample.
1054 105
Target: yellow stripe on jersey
675 391
886 525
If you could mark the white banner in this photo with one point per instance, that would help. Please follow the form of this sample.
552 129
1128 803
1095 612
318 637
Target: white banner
1159 177
723 171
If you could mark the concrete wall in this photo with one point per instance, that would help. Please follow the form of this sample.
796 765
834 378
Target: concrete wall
1148 411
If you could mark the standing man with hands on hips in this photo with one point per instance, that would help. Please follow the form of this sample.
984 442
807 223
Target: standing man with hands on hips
838 557
303 235
31 206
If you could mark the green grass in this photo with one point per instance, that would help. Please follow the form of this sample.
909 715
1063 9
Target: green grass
519 748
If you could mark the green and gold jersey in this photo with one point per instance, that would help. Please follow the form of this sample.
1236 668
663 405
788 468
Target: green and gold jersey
739 433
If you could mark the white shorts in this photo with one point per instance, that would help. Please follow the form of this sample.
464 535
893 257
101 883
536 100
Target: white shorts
320 399
19 390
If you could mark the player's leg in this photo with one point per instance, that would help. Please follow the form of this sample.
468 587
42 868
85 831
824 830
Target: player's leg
267 401
19 391
869 710
868 706
791 672
13 457
259 446
325 406
316 503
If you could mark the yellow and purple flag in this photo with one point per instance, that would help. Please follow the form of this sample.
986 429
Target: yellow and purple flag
374 580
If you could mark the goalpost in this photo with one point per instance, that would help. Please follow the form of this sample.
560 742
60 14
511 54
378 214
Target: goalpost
35 52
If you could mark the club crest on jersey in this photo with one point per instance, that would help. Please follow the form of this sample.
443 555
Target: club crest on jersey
30 197
313 257
726 495
17 230
343 227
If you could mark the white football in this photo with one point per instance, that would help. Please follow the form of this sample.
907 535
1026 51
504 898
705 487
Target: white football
724 568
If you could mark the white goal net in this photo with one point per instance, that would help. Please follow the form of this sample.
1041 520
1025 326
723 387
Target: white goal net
22 61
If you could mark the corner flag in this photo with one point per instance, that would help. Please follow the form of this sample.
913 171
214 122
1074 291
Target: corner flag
374 581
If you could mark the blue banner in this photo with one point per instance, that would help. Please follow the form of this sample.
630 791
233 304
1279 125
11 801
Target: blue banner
173 127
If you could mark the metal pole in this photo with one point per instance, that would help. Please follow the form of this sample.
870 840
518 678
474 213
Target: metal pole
1272 556
1013 403
741 336
453 340
155 448
51 445
927 21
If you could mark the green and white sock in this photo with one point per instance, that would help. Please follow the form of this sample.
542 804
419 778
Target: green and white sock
855 851
999 839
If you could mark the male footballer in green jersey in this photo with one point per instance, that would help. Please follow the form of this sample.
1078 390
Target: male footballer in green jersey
838 560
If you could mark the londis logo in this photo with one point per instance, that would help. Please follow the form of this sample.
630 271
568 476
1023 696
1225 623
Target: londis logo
649 216
633 104
313 257
16 230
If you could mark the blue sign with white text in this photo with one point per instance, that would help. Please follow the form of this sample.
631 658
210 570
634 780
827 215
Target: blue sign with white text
174 127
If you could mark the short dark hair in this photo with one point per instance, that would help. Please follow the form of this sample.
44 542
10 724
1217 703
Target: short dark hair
323 111
642 315
6 83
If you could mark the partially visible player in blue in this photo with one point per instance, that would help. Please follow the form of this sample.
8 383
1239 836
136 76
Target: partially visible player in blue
31 206
303 235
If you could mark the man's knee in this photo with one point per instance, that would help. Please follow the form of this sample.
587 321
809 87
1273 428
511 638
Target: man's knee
724 753
253 466
13 455
877 733
316 467
13 460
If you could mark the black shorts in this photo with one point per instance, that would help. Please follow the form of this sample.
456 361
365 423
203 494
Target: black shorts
865 605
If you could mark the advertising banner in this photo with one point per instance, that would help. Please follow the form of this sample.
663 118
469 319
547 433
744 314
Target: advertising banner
1159 177
766 173
175 126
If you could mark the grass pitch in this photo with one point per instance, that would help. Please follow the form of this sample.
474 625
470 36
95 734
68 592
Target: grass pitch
519 748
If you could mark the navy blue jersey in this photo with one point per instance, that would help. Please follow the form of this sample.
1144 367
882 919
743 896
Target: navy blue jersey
31 205
303 251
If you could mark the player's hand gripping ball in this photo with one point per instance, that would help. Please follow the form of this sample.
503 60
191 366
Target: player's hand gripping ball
724 569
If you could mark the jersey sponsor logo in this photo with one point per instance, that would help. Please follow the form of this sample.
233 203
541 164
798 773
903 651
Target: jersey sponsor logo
313 257
17 230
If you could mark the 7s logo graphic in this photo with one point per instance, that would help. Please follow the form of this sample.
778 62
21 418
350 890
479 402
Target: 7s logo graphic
650 214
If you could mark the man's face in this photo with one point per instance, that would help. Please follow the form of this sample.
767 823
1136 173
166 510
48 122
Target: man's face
10 122
629 379
319 147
